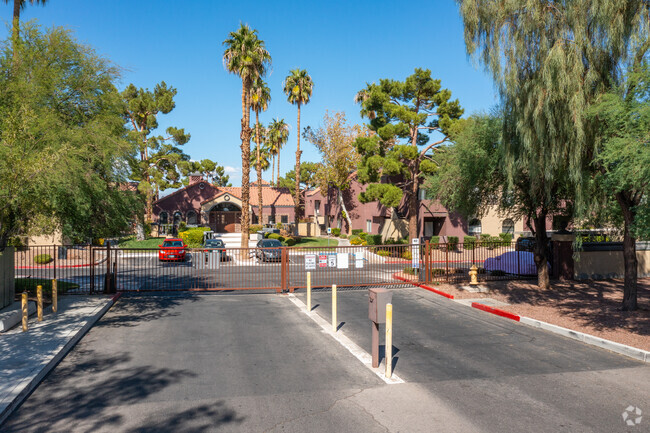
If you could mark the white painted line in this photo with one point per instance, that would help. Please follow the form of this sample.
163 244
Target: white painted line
351 346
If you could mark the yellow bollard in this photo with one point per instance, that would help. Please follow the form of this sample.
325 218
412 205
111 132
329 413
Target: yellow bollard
39 303
23 307
55 299
334 308
389 340
308 291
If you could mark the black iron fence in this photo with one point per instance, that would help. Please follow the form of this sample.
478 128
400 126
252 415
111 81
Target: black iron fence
90 269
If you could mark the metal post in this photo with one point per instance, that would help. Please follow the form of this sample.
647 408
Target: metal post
107 279
334 321
283 269
427 264
389 340
54 262
24 310
55 296
92 270
518 269
447 261
375 344
308 291
39 303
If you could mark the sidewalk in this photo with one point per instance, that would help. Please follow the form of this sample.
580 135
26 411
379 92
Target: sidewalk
27 357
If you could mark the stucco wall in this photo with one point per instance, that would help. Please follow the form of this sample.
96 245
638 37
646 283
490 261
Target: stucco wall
608 264
35 241
7 282
395 228
492 223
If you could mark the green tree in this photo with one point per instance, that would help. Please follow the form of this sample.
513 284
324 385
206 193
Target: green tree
307 178
19 5
63 147
622 164
298 87
211 171
335 141
156 165
260 98
550 60
410 111
246 56
278 136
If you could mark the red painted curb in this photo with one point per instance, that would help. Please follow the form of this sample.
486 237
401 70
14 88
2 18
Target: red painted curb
496 311
422 286
116 297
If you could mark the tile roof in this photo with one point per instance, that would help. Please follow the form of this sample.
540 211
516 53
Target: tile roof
270 195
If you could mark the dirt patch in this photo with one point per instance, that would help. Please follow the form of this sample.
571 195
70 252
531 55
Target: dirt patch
592 307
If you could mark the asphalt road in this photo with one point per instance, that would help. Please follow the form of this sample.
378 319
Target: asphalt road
178 362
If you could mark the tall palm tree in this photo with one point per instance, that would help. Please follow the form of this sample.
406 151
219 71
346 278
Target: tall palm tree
260 98
246 56
298 86
15 31
278 136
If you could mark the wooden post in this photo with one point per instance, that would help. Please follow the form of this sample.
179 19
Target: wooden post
55 296
24 310
39 303
388 348
334 321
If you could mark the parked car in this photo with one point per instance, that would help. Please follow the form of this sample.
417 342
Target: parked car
214 245
172 250
268 250
513 262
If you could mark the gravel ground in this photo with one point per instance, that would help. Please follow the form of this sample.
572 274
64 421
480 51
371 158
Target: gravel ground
592 307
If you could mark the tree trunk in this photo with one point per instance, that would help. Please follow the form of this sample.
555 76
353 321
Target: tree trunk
413 208
629 255
541 252
245 163
296 209
347 215
273 172
277 178
15 31
258 167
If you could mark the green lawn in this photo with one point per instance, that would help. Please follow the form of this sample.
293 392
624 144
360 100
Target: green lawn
131 242
29 285
316 242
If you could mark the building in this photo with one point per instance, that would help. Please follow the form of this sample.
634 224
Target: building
203 204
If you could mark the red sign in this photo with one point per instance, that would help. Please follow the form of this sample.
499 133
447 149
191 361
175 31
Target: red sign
322 261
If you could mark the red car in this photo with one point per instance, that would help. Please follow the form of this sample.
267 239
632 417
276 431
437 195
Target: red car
172 249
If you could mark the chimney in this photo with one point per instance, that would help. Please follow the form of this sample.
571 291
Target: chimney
195 178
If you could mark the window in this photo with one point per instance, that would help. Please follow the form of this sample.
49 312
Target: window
422 194
508 226
317 206
162 218
368 226
284 219
191 217
474 227
178 217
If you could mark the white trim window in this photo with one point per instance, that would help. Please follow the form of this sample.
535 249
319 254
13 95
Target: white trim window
368 226
474 227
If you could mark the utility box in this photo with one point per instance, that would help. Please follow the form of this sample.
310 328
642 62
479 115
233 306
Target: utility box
377 300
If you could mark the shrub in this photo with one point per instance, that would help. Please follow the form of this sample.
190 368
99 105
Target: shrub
291 242
434 241
254 228
488 241
336 231
469 242
407 255
383 253
452 243
506 239
363 235
373 239
356 232
42 259
193 238
147 230
278 225
356 240
181 227
342 236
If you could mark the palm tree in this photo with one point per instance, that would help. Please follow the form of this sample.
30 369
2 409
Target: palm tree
260 98
298 86
15 31
245 56
278 136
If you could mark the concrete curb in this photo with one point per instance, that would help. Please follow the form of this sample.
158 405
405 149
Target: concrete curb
36 380
425 287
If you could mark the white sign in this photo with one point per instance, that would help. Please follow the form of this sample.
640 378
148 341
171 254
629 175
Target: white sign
415 253
329 230
358 260
331 260
310 261
322 261
343 260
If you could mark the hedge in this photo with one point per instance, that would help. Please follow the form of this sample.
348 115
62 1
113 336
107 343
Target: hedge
336 231
469 242
356 232
373 239
407 255
356 240
254 228
276 236
42 259
193 238
363 235
452 243
291 242
383 253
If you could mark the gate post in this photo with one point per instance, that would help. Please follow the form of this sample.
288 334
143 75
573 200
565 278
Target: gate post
107 277
447 261
427 265
284 269
92 269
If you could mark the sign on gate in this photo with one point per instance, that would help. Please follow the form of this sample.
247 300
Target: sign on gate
310 261
322 261
358 260
415 253
342 261
331 260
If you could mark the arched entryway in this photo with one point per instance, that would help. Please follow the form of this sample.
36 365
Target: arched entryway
225 218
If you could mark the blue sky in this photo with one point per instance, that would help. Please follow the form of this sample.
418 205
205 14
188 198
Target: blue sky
343 45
